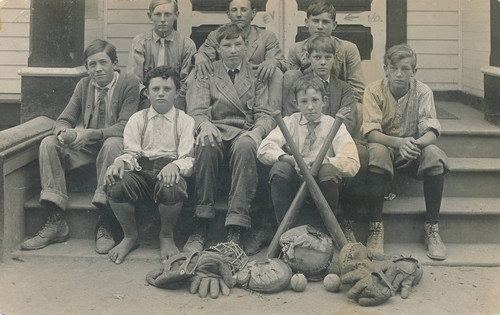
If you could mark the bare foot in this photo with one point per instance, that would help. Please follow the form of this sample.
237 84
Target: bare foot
167 248
120 251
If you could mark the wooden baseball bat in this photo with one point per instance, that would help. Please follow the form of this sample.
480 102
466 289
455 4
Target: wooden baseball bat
326 213
298 201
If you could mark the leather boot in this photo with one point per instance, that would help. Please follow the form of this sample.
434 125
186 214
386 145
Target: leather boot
234 234
346 226
257 239
55 230
375 242
196 241
435 247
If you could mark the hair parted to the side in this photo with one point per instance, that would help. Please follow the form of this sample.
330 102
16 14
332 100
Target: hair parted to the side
163 72
98 46
155 3
321 43
398 52
253 5
228 31
318 7
307 82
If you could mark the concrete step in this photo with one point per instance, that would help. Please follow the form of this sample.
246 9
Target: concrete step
467 143
469 177
462 220
480 255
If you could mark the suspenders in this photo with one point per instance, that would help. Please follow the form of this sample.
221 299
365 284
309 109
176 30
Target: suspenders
176 132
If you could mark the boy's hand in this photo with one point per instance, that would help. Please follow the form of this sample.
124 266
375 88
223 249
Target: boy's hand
83 137
211 132
266 69
115 170
408 149
344 112
288 159
202 66
170 175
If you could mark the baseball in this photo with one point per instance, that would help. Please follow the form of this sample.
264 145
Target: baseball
68 136
298 282
332 283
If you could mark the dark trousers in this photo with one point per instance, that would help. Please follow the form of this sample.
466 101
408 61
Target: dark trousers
241 153
285 183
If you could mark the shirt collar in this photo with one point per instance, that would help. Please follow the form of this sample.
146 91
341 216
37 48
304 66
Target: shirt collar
227 68
170 37
327 80
110 85
303 121
168 115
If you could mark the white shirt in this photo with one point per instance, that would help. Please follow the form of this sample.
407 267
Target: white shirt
159 139
342 154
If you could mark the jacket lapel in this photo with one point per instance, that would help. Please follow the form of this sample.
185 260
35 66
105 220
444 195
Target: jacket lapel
89 104
333 96
226 87
253 42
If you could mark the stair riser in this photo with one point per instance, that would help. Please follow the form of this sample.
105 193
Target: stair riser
456 184
452 229
470 146
398 228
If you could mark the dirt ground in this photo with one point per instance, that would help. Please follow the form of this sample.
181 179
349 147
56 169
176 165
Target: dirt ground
41 285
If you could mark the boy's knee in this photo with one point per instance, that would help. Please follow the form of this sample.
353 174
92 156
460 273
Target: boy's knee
171 195
433 161
123 190
328 172
48 143
281 169
245 145
207 151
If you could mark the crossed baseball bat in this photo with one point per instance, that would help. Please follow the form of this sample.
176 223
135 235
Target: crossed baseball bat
324 209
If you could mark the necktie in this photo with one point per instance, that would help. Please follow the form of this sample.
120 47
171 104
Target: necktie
161 53
232 74
326 85
101 108
310 137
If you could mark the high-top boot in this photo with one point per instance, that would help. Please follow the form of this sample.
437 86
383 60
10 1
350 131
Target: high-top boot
375 242
346 226
55 230
196 241
435 247
234 234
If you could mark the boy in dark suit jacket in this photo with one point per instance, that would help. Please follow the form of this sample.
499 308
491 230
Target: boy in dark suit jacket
102 103
231 110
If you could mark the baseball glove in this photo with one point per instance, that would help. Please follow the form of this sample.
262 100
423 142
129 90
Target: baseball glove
403 274
175 271
373 289
307 251
267 276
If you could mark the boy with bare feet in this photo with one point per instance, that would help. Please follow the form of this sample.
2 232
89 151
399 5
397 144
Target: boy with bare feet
158 153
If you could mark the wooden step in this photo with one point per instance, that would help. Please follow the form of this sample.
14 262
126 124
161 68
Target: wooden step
462 220
465 143
469 177
480 255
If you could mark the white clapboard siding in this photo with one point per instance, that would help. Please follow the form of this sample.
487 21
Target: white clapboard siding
475 36
14 43
433 32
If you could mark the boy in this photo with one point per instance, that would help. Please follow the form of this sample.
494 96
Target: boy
263 46
399 121
309 129
162 46
321 54
231 110
158 150
320 20
103 102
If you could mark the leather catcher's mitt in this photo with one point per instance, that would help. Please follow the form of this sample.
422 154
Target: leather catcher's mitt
373 289
307 251
267 276
404 273
175 271
370 286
